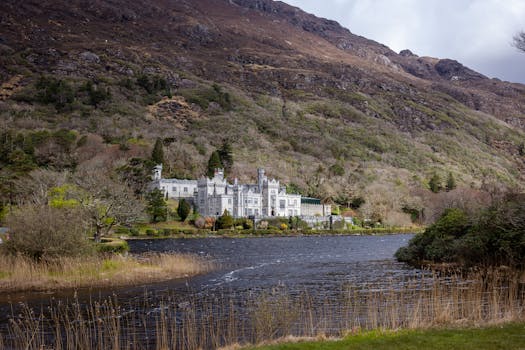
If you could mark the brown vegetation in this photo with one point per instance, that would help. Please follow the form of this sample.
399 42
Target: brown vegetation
18 273
487 297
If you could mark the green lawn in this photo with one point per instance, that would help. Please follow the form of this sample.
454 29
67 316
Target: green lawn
510 336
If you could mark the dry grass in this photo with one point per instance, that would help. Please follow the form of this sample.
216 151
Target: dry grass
18 273
482 298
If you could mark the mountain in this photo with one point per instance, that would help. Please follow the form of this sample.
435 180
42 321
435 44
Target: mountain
332 112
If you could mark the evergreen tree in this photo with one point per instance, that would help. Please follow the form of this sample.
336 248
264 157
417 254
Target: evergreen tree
213 163
183 210
157 207
157 155
521 149
226 220
451 182
435 183
226 156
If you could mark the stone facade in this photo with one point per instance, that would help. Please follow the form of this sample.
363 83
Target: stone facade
211 197
174 188
266 198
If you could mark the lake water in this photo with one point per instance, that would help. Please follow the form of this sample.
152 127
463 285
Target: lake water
320 267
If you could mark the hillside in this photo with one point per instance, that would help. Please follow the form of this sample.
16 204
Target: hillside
334 113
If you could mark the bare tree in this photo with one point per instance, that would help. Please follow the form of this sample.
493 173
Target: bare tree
518 41
107 202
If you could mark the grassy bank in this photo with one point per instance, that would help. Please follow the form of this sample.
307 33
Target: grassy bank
175 229
507 336
18 273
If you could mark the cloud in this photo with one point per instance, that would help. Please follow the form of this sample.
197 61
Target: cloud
477 33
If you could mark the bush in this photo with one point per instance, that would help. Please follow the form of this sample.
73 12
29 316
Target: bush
496 237
134 232
183 210
110 246
43 232
151 232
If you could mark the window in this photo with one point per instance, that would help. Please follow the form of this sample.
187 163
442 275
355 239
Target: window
249 201
282 204
290 212
185 189
249 212
255 201
174 189
257 212
229 201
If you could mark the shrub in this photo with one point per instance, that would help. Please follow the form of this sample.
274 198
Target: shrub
134 232
496 237
43 232
151 232
283 227
115 247
183 210
225 221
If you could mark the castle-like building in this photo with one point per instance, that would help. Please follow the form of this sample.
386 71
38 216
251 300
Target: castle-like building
211 197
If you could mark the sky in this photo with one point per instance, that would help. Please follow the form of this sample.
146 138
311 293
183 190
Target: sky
477 33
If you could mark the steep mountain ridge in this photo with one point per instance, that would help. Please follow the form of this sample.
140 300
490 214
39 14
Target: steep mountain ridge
300 95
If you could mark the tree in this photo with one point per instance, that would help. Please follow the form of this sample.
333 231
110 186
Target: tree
157 207
435 183
213 163
157 155
451 183
226 156
518 41
225 221
43 232
183 210
106 202
521 149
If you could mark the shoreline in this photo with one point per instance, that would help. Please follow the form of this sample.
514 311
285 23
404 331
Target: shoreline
240 234
19 274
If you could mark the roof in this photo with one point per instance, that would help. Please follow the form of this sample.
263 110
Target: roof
179 181
310 200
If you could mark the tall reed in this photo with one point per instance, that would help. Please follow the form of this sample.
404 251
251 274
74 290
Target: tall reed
210 322
19 273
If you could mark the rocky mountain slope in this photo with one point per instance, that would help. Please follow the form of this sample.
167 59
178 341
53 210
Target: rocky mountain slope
332 112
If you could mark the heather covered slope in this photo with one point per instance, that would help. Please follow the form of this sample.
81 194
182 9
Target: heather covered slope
316 105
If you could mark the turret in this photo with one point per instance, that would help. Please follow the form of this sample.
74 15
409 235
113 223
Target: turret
219 172
260 178
157 172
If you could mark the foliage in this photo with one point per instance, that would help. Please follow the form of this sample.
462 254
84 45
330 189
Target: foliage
157 155
226 156
225 221
451 183
156 208
203 97
495 237
337 169
137 174
153 84
518 41
61 196
96 93
435 184
112 246
106 202
43 232
183 210
213 163
54 91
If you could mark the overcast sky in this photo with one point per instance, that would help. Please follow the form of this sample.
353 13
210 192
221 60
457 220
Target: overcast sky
477 33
